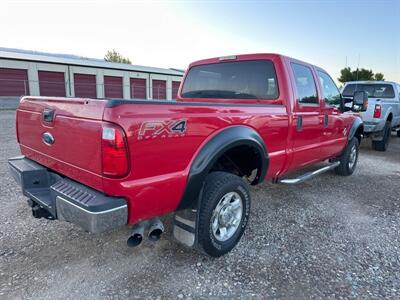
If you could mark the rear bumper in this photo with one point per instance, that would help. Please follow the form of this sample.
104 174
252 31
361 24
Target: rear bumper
68 200
371 127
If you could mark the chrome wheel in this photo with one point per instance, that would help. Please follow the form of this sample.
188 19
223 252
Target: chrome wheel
226 216
353 157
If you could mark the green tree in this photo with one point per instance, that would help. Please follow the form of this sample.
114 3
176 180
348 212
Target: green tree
347 74
379 76
115 56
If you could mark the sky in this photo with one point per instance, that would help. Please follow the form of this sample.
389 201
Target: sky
330 34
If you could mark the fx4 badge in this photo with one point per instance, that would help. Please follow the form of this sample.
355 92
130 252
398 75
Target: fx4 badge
162 129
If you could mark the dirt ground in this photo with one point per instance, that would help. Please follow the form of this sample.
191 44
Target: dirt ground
332 236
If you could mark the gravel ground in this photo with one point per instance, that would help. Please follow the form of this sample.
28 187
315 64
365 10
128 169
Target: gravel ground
331 237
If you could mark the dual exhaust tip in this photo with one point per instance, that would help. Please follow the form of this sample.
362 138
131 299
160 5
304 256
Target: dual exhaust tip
155 229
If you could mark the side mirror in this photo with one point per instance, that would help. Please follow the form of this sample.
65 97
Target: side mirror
360 101
347 104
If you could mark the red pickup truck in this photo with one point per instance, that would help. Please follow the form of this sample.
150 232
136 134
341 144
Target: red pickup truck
238 120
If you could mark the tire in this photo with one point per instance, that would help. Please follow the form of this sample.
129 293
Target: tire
384 143
348 159
221 193
398 133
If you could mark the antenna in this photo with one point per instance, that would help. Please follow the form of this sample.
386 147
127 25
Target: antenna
358 65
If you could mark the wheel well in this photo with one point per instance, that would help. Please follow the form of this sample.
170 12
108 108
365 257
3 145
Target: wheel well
243 161
390 118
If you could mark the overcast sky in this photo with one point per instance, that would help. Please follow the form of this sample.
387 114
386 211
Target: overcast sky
174 33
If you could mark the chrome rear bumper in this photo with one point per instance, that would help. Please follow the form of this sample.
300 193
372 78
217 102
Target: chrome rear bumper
68 200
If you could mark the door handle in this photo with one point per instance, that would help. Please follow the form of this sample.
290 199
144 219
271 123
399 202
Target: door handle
326 120
299 123
48 115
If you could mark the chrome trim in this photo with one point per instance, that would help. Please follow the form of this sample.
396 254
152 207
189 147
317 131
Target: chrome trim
94 222
93 212
48 138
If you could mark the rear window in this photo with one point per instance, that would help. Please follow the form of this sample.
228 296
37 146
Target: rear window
374 90
232 80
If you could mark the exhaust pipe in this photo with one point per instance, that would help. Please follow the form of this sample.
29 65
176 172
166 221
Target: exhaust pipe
156 228
136 236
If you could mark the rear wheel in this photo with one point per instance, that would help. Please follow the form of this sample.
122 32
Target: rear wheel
223 214
398 133
384 143
348 159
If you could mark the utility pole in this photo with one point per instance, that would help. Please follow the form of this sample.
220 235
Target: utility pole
358 65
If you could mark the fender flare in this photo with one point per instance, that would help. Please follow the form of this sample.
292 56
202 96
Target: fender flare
357 124
388 112
210 152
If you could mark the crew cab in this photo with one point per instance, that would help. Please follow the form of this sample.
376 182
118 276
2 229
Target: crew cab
383 112
238 120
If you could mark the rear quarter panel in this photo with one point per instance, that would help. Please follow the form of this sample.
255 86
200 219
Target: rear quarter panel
160 164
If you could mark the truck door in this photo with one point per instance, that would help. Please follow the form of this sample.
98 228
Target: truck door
306 126
334 136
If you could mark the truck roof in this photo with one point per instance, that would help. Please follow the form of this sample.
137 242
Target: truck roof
249 56
372 82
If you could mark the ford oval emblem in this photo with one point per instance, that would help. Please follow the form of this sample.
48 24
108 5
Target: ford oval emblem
48 138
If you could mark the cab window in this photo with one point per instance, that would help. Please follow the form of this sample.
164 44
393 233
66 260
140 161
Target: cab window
305 84
253 79
331 93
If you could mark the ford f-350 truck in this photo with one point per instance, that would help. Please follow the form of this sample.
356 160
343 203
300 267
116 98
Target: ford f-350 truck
238 120
383 112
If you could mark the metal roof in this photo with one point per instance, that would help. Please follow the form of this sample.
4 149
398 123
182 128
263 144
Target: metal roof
67 59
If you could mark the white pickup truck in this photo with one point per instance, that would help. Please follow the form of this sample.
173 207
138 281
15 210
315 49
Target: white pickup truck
383 113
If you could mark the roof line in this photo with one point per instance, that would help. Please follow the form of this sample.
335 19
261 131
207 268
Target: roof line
15 54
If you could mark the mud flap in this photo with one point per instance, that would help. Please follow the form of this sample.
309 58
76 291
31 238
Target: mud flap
377 136
185 227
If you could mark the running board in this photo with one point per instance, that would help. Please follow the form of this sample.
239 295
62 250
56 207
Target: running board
310 175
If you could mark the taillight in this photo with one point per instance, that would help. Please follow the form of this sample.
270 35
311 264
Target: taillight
114 151
377 111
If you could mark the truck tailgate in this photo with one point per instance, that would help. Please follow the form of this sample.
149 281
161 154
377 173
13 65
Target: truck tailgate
64 135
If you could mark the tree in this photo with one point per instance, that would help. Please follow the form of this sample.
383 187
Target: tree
379 76
347 74
115 56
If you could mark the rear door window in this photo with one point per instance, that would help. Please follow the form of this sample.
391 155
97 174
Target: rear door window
331 93
305 84
254 79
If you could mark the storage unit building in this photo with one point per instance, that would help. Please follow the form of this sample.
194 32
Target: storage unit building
42 74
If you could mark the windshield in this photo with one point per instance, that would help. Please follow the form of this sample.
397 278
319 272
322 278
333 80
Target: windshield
232 80
374 90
